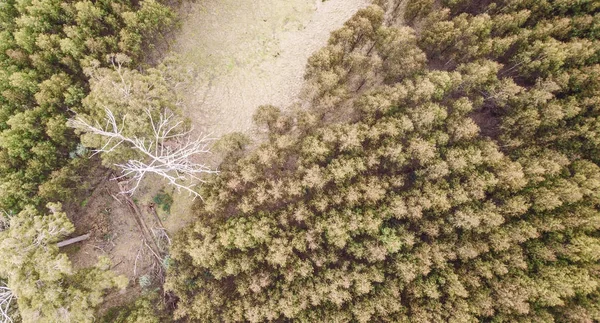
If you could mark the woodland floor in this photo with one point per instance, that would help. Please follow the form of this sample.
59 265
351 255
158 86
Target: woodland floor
239 54
131 239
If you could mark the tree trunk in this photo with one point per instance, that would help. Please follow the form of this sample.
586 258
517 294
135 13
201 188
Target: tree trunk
73 240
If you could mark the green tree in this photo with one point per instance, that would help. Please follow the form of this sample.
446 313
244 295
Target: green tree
42 279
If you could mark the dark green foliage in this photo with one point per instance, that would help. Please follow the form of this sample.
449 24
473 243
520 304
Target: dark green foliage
463 188
163 200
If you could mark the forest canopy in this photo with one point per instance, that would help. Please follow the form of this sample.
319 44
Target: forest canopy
443 167
447 170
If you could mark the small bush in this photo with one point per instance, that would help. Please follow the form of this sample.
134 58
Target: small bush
164 201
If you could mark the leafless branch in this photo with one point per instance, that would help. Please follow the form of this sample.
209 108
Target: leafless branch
154 253
169 152
137 256
162 238
6 297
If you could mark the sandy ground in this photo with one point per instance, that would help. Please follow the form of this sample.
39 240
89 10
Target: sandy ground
246 53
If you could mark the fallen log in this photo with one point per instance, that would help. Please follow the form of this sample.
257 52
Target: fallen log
73 240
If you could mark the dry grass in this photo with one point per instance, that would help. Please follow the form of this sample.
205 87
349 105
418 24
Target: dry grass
243 54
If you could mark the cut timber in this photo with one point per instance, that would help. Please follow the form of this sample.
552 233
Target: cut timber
73 240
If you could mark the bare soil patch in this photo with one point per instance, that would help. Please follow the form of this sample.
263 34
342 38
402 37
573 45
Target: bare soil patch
116 232
244 54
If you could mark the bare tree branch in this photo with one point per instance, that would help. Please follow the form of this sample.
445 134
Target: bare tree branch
6 297
169 153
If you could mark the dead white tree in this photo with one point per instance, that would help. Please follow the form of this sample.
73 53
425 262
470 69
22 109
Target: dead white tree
170 152
6 297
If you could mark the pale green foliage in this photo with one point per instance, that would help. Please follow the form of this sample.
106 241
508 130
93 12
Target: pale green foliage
131 96
358 55
46 286
145 281
146 309
358 233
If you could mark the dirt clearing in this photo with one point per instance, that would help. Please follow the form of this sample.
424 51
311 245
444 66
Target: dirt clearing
244 54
